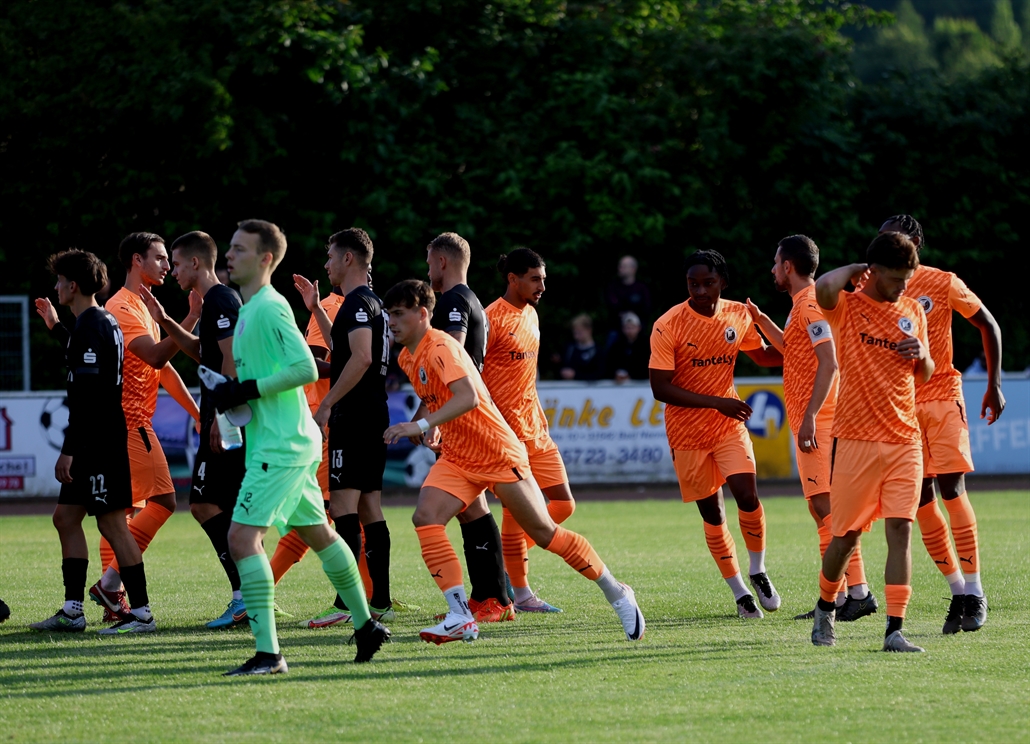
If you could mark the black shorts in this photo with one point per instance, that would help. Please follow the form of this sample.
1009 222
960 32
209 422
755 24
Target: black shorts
101 481
217 476
357 452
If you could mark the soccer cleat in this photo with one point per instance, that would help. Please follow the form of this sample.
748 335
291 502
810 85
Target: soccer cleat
235 614
5 611
629 613
332 616
383 616
131 625
853 609
953 620
746 607
399 606
823 632
810 615
280 612
899 644
61 623
454 627
261 663
492 611
535 604
116 607
974 613
767 595
369 638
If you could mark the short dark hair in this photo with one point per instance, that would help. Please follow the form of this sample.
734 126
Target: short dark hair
802 252
355 240
410 293
81 267
198 244
518 262
454 245
909 226
270 238
712 259
137 243
893 250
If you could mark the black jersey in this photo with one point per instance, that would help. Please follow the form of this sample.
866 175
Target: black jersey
458 309
361 309
217 323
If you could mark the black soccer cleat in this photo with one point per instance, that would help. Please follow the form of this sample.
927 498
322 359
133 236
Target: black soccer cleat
261 663
974 613
5 611
369 638
853 609
810 615
953 620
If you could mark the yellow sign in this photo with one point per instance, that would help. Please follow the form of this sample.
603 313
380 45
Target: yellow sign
770 433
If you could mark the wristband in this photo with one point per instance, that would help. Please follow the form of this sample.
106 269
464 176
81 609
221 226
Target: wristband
423 425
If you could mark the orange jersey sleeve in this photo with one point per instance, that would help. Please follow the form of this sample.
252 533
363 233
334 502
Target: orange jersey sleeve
316 391
139 380
806 328
509 367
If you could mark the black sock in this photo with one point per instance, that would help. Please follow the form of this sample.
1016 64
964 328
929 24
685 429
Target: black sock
217 529
135 581
484 559
74 572
348 527
377 553
826 606
893 623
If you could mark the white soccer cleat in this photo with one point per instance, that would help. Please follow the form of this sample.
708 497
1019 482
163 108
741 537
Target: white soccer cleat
897 643
453 627
746 607
767 595
823 631
629 613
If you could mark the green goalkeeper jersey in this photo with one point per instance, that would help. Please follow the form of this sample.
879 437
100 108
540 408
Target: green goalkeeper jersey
268 347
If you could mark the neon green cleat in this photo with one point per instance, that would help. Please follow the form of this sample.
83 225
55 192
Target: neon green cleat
332 616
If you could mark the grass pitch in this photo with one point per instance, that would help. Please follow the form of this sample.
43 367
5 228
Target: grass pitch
699 672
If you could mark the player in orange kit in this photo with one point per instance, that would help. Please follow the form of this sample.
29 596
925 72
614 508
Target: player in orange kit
942 418
876 461
694 348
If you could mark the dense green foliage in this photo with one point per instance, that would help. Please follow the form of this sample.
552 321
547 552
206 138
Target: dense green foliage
584 130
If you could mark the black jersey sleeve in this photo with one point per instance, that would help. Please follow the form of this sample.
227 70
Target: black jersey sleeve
452 313
357 311
60 334
225 311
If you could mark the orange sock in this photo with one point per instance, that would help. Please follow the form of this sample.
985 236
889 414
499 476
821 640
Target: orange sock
720 543
575 550
825 535
854 574
828 590
145 525
288 552
559 511
106 551
366 577
963 527
897 599
439 555
752 524
514 545
936 538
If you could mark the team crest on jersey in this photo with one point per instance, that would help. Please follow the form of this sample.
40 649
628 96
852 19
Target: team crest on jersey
90 357
926 302
223 322
730 334
906 325
422 376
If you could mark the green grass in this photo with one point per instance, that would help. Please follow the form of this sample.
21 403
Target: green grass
700 670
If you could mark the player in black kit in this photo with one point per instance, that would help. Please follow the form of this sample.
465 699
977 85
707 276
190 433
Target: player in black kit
460 313
217 472
94 464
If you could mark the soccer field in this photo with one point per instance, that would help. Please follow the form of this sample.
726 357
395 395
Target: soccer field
700 671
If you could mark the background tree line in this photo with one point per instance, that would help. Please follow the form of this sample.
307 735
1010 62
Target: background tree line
583 130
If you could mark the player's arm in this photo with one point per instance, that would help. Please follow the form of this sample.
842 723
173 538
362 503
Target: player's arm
765 356
176 388
360 341
182 338
158 353
46 310
464 398
825 371
990 333
320 355
664 390
772 332
829 286
309 293
917 348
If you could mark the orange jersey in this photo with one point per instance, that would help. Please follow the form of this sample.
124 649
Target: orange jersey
477 441
701 353
509 367
806 328
940 292
139 380
876 401
316 391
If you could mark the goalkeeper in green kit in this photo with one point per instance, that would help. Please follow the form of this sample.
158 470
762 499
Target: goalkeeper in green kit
280 488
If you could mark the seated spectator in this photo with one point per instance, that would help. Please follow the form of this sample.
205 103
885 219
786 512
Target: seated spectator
582 359
626 295
629 354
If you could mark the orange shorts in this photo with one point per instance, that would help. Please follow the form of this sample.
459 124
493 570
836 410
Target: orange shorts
702 472
873 480
814 466
545 462
466 485
147 466
945 437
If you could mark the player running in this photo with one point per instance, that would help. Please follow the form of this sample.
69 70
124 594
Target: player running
942 418
509 373
478 451
94 464
810 392
876 460
694 348
279 487
217 472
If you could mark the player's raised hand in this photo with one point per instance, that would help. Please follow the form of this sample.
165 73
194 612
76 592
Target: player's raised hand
860 275
157 311
994 400
196 303
46 310
308 291
753 310
733 408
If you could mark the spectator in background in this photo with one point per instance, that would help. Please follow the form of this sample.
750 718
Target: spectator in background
628 355
582 359
626 295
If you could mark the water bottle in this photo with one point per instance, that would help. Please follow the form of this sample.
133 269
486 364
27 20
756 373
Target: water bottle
232 435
